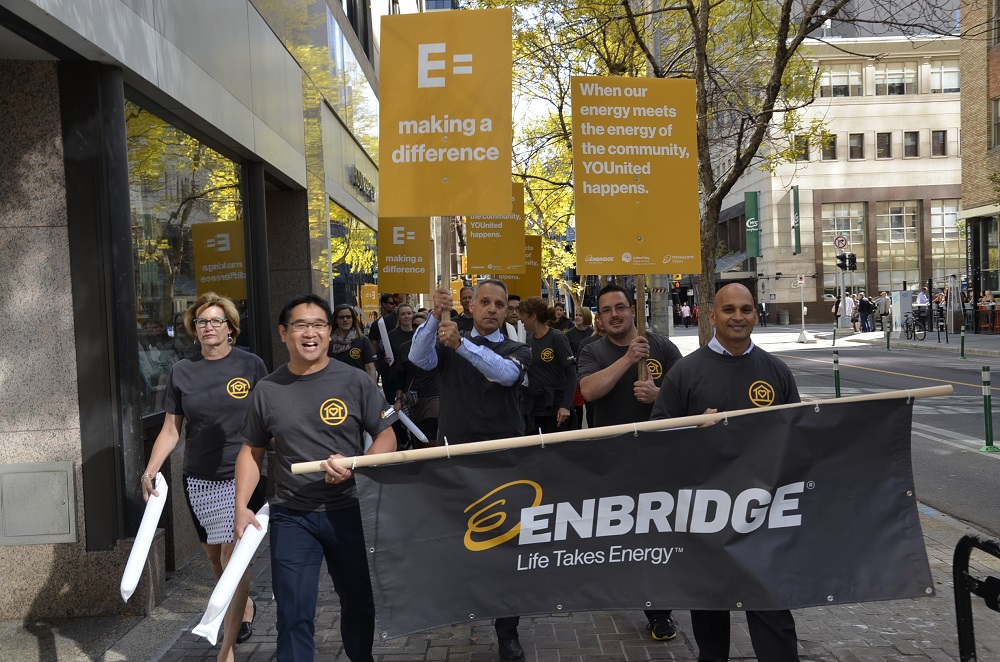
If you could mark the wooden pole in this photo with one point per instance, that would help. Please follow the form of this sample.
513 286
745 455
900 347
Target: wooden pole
640 319
445 230
602 432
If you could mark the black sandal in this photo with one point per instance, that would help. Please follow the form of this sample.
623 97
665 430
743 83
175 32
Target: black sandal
246 627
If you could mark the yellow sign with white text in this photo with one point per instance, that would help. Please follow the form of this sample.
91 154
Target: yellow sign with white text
496 242
405 255
369 300
635 166
445 110
528 284
219 260
456 295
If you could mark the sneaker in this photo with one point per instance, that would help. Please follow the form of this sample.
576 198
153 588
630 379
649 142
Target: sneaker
662 629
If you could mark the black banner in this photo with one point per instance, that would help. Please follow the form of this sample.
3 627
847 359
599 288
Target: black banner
783 509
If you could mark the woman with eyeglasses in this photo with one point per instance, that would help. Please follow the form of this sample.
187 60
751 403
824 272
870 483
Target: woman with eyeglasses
348 344
208 392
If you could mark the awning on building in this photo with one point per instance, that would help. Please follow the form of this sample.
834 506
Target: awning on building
731 263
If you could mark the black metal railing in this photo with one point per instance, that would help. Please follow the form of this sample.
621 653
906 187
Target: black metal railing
966 586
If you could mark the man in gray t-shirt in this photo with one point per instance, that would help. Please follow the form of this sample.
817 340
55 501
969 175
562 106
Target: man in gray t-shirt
313 408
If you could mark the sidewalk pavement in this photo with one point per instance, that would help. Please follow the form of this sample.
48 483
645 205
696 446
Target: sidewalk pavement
904 630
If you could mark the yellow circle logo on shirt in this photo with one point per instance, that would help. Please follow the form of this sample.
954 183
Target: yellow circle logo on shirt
333 411
548 354
238 387
355 353
761 394
655 368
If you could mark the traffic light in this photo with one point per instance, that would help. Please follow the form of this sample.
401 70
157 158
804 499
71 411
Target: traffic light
852 262
842 262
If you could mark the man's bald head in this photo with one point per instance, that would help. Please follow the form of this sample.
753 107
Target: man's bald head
734 316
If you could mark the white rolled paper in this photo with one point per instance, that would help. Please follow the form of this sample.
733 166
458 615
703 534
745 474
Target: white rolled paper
144 538
417 432
243 553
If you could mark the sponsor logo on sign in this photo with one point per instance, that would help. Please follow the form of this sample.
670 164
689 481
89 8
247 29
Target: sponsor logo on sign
548 354
751 223
626 257
333 411
598 258
655 368
355 353
667 259
762 394
238 387
515 510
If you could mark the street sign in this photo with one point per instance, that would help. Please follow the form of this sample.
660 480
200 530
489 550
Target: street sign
801 278
840 241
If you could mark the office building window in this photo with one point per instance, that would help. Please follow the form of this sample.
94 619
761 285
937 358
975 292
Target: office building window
911 143
895 78
856 146
996 122
187 236
841 80
995 37
898 258
939 143
352 255
800 145
830 149
944 76
883 145
947 242
847 219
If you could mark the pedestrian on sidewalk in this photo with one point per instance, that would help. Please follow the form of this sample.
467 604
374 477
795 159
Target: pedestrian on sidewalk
481 372
686 315
208 392
722 376
310 408
610 383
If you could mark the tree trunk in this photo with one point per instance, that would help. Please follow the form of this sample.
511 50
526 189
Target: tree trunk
706 285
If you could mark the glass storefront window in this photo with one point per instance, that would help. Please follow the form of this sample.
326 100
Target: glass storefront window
847 219
352 255
897 224
187 233
947 242
356 103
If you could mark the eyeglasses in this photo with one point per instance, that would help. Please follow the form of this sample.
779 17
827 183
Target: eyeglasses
216 322
620 309
301 326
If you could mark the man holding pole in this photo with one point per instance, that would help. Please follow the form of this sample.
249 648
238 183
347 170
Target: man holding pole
728 374
313 407
481 372
620 377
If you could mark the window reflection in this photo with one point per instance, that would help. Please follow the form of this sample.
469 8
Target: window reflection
355 102
847 219
352 255
187 233
897 224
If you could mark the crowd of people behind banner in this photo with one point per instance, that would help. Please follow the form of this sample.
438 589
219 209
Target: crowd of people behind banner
500 368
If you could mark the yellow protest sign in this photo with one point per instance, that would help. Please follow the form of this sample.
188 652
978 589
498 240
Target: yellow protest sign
445 113
219 260
456 294
405 255
635 175
528 284
369 300
496 242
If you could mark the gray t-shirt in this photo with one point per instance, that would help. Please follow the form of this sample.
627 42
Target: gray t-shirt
213 396
619 405
310 418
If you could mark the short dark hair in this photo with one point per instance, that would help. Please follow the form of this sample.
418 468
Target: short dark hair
513 297
611 287
464 288
386 298
314 299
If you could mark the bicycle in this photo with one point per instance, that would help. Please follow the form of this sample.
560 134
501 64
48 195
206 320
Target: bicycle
913 328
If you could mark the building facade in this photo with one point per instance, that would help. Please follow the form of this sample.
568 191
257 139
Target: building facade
887 179
152 151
